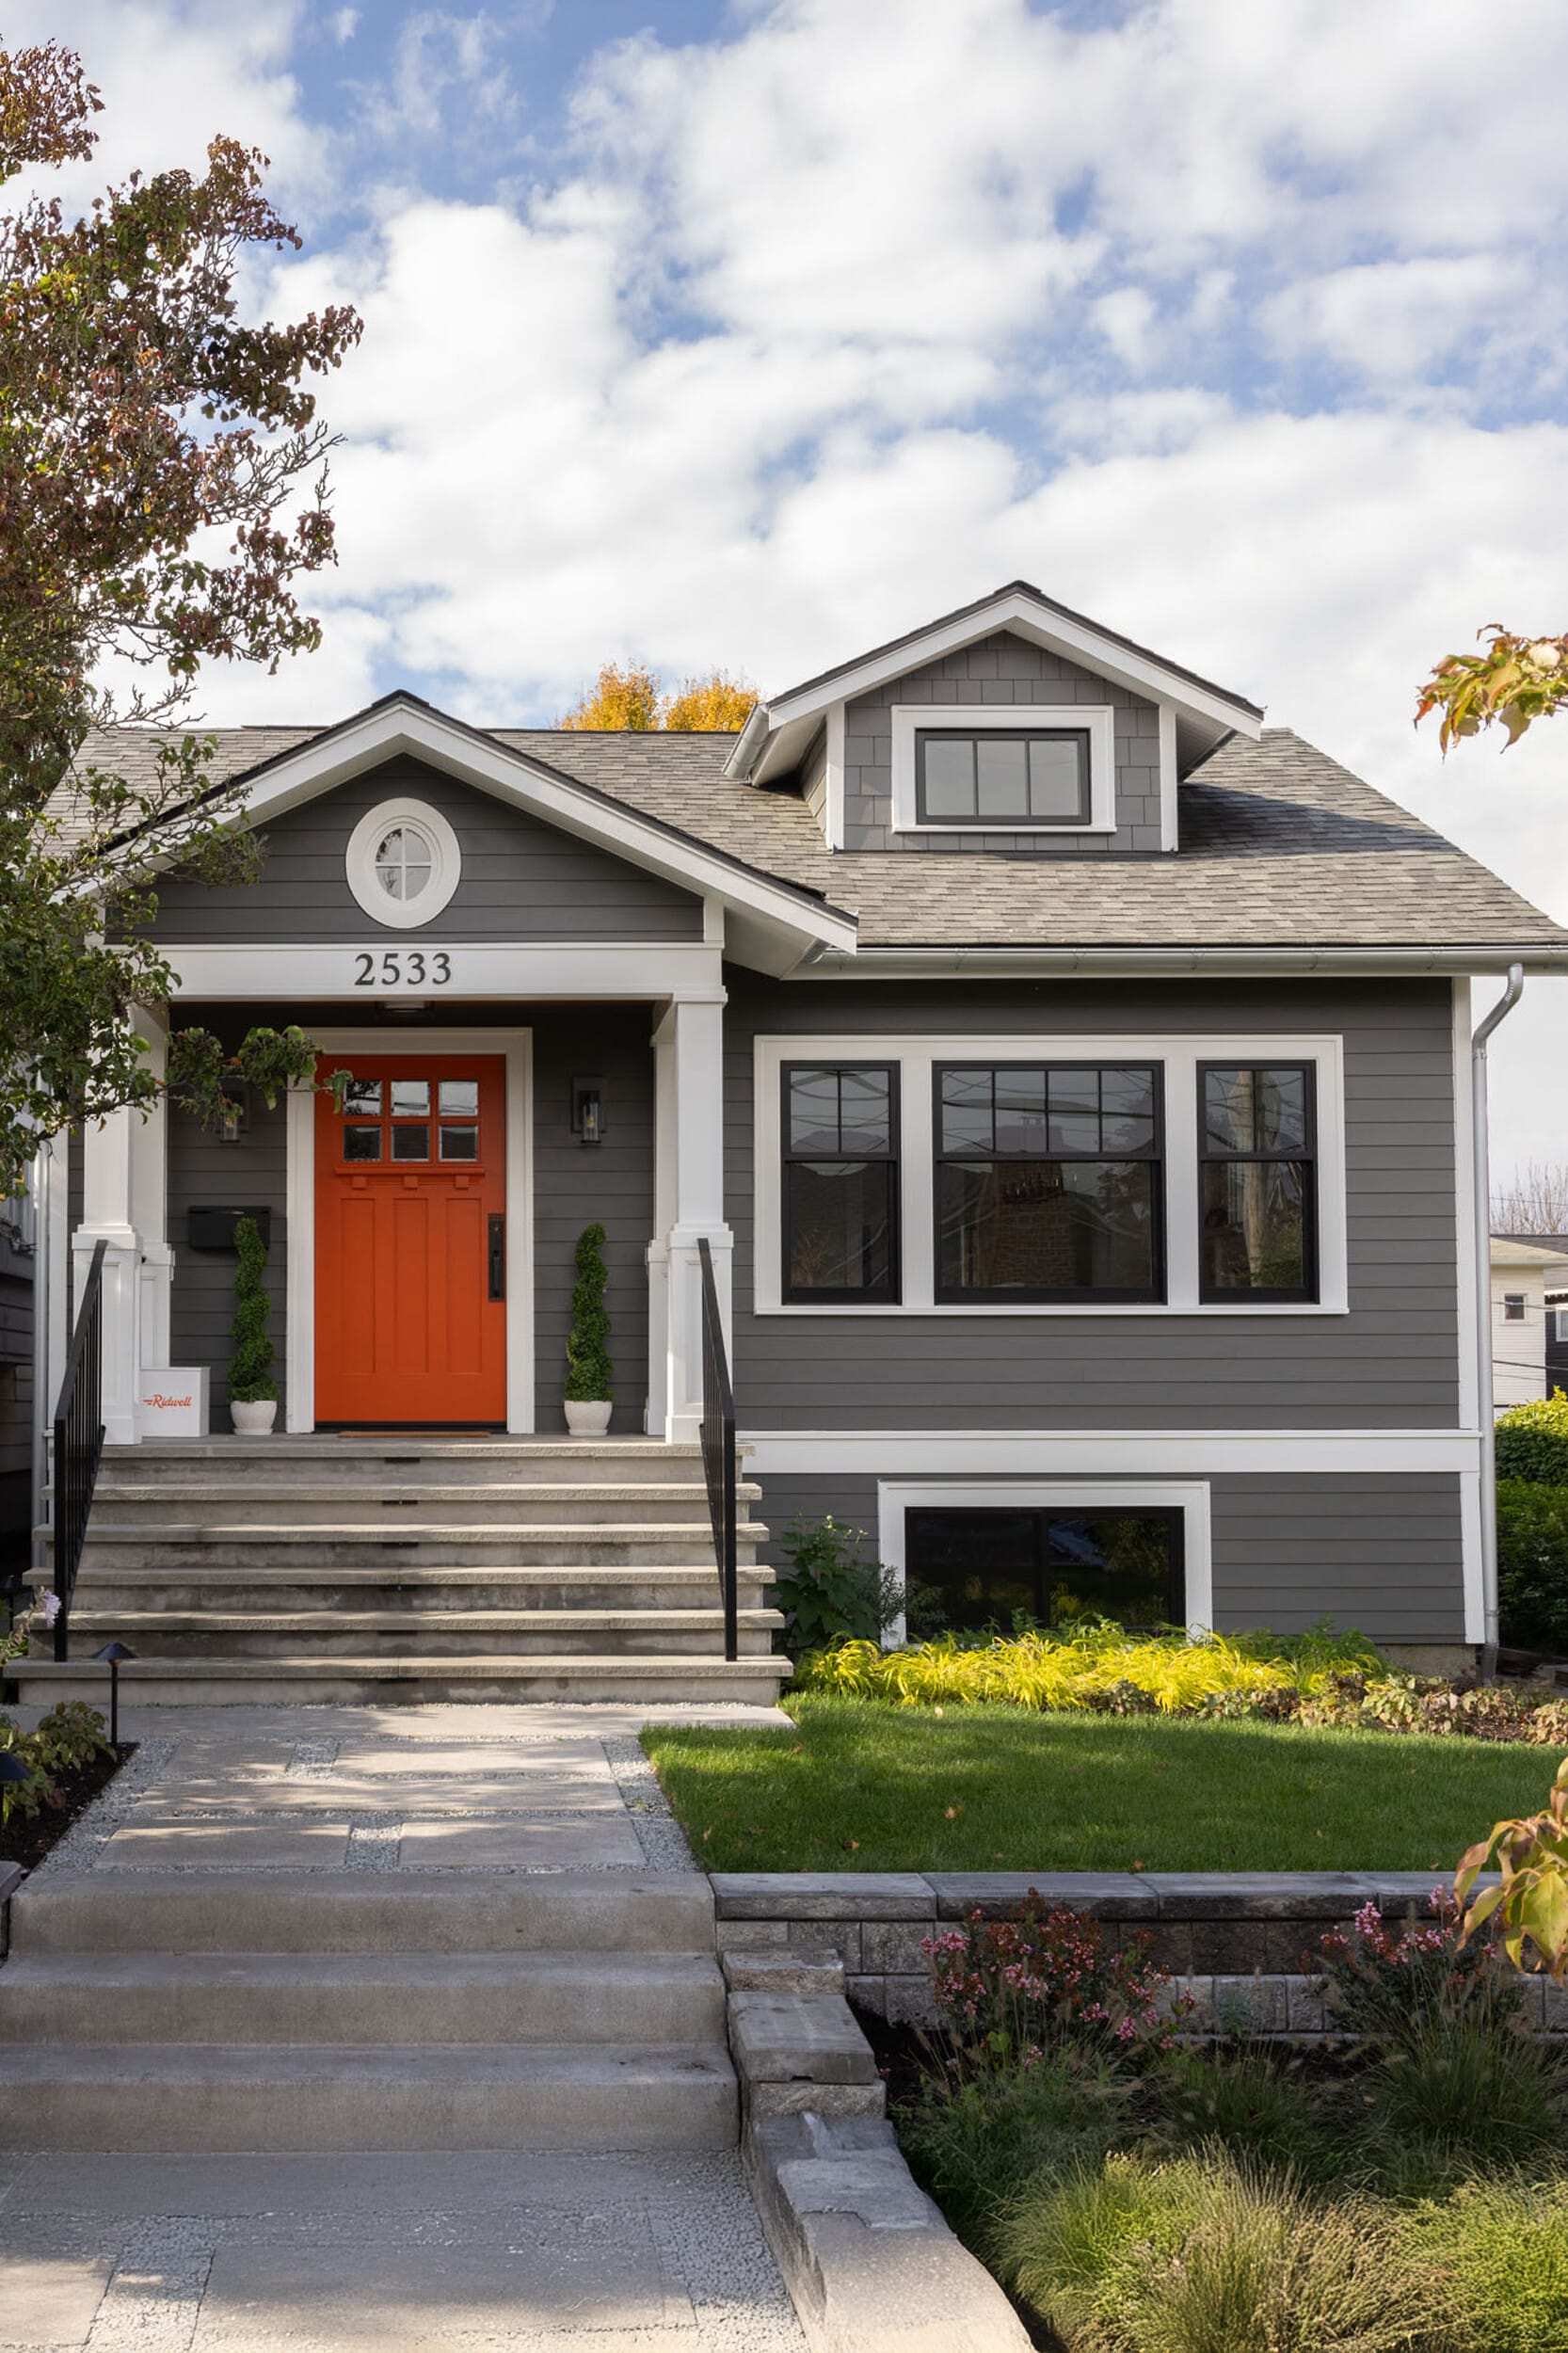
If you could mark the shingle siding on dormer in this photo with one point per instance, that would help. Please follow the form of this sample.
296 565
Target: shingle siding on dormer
1003 669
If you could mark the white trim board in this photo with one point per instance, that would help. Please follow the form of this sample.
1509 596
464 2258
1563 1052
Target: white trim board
781 1453
894 1498
1096 720
404 967
516 1047
1181 1054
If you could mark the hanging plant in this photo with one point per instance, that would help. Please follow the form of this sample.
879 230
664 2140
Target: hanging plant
250 1372
590 1375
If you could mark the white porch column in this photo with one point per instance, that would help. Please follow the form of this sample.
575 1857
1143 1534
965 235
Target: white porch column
688 1048
125 1193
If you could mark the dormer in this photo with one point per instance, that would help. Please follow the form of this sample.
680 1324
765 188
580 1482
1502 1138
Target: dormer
1012 725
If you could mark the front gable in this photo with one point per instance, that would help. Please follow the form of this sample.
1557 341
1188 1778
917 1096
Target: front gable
518 879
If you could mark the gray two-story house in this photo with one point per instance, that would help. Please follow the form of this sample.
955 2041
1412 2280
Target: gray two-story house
1068 1076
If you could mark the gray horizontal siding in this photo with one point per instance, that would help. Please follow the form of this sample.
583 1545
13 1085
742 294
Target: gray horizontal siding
1001 671
207 1174
1378 1550
522 879
1392 1362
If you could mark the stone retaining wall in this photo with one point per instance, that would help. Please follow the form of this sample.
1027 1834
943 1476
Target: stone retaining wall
1236 1940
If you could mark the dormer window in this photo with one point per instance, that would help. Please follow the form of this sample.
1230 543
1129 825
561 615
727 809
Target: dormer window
1003 776
963 768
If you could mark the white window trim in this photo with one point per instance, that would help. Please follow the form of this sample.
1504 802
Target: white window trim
1179 1056
1191 1497
403 915
1098 719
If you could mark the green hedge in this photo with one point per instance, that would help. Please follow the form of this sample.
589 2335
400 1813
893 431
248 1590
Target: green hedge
1532 1564
1532 1441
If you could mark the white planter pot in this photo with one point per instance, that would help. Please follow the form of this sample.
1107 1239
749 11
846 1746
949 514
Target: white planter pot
253 1417
585 1420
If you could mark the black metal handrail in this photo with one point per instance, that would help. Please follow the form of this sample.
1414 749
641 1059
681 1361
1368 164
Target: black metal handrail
718 1447
78 1444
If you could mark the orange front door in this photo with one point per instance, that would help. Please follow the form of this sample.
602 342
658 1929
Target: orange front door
410 1242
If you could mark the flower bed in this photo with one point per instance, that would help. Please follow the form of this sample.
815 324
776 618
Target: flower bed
1404 2187
1318 1679
69 1760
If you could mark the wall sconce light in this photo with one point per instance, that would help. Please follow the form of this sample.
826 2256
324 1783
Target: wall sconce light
236 1115
587 1110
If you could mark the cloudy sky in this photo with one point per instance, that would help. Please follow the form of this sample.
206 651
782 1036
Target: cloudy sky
754 331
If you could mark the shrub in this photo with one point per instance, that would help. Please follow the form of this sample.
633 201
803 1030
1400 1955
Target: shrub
1008 1991
1208 2255
1095 1666
71 1735
590 1376
1532 1564
1246 2102
250 1372
1389 1983
1504 2242
974 2144
828 1590
1470 2091
1532 1441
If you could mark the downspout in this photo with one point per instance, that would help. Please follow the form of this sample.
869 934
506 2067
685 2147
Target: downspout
1482 1186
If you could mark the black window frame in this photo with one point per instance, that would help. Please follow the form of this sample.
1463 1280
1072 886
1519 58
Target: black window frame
1173 1517
792 1295
978 823
1156 1157
1310 1292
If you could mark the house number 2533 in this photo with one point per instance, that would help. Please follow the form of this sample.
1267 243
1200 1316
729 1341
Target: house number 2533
403 967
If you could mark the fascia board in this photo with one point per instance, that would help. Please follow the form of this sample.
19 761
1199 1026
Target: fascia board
1052 632
513 777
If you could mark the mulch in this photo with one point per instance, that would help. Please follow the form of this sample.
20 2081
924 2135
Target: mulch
27 1838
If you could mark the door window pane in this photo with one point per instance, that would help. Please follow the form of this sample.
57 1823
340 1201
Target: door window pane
459 1144
410 1098
362 1144
410 1144
1056 1565
364 1098
459 1098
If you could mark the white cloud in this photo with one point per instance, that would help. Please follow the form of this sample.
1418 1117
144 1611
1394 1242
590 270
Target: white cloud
829 323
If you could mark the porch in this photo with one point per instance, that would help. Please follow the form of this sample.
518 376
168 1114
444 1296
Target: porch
605 1110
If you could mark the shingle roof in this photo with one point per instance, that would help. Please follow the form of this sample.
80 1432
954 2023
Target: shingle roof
1281 847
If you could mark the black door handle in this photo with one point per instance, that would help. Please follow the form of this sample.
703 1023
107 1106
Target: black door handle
498 1258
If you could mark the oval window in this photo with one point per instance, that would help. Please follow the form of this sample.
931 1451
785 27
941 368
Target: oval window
403 863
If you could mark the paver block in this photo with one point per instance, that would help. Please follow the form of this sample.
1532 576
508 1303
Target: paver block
766 2099
997 1894
238 1845
444 1843
786 1972
792 2038
823 1896
895 1946
50 2299
1257 1894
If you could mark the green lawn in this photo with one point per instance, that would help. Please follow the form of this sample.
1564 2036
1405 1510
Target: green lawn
860 1786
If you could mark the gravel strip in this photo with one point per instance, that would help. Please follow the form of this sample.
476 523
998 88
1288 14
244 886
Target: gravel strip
85 1841
660 1836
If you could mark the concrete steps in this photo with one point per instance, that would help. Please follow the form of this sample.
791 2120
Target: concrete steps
412 1679
196 2096
494 1634
379 1566
258 2011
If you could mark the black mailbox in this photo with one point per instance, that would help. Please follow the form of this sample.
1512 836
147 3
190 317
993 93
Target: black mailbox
214 1229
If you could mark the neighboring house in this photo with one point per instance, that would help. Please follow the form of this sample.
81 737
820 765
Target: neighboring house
1525 1272
1070 1076
18 1252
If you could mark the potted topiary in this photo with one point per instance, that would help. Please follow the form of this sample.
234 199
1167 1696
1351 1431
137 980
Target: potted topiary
590 1377
252 1390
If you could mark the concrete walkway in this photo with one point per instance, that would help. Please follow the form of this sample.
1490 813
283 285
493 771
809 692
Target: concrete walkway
405 2249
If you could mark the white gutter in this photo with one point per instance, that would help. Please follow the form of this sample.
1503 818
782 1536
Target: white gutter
1482 1187
1296 963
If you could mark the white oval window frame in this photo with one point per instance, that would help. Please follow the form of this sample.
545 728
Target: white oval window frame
446 864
